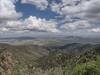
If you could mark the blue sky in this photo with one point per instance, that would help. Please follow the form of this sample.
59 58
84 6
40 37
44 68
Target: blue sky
28 9
51 17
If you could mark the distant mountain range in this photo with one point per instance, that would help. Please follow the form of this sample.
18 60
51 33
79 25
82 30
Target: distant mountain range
65 39
18 38
48 37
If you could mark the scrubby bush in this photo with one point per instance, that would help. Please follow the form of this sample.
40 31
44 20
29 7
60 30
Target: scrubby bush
91 68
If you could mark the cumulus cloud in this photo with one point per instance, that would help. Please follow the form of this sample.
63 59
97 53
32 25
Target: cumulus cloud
10 20
30 24
65 7
82 24
89 9
41 24
97 30
84 10
3 29
42 4
56 7
7 10
92 9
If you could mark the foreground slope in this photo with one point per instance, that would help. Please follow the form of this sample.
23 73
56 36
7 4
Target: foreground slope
69 59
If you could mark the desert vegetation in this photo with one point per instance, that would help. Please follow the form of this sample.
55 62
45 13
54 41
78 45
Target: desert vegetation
37 60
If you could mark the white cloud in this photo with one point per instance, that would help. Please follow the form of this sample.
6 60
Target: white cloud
76 25
7 10
41 24
30 24
3 29
88 9
85 10
42 4
92 9
9 21
66 7
56 7
95 30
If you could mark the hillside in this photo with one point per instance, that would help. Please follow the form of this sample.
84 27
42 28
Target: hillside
68 59
86 63
25 54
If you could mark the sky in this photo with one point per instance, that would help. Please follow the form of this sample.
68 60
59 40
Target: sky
49 17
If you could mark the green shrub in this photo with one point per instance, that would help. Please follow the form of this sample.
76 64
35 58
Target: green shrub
91 68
